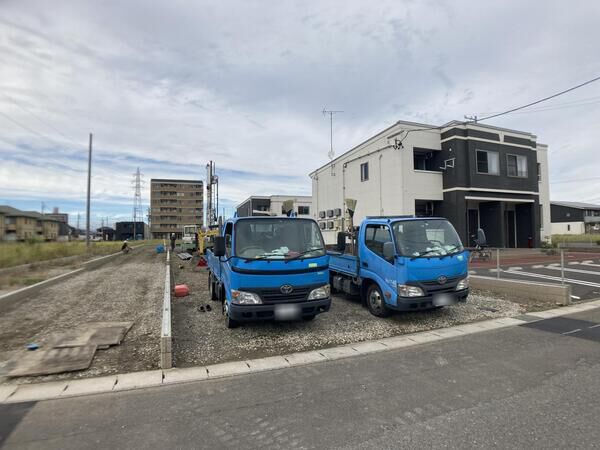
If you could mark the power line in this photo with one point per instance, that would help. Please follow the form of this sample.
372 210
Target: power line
31 130
476 119
575 180
541 100
14 102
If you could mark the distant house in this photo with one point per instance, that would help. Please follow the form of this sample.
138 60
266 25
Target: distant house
273 205
106 233
22 225
124 230
574 217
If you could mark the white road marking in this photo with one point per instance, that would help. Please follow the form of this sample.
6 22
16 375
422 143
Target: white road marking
587 261
572 263
591 264
549 277
554 264
571 332
590 272
515 268
575 297
538 266
595 326
472 272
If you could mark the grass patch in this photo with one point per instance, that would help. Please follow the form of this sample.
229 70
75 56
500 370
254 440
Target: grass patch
17 253
576 238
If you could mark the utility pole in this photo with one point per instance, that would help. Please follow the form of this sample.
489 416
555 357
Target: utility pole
331 153
89 186
43 207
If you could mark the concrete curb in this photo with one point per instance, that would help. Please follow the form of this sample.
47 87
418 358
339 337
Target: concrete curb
35 288
555 293
166 377
166 356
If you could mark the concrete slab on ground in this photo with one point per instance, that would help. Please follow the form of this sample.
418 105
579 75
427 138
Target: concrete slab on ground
53 360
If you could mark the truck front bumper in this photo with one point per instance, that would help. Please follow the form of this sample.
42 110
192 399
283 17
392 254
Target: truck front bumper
428 301
247 313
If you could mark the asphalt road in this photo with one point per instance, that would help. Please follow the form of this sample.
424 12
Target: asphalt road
532 386
584 278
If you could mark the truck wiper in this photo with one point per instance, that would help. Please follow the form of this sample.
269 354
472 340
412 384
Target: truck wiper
287 260
259 258
452 251
425 252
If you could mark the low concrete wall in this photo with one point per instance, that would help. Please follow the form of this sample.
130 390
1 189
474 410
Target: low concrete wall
551 293
166 356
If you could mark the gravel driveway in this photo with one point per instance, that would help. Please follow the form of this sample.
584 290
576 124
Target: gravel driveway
130 288
201 337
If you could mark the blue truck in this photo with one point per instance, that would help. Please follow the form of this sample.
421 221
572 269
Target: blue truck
401 263
263 268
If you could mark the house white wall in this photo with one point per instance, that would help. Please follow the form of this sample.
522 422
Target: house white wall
544 188
568 228
393 184
299 200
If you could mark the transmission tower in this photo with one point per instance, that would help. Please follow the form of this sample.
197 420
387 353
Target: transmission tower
138 215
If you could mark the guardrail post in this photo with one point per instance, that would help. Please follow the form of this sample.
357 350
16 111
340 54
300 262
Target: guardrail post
562 267
166 358
498 263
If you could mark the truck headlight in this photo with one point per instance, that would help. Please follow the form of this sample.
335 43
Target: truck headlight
245 298
405 290
319 293
463 284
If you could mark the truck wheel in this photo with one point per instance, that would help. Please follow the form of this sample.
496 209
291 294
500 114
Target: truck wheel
308 318
376 303
211 287
229 322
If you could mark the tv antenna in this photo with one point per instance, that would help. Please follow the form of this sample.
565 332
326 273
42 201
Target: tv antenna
331 153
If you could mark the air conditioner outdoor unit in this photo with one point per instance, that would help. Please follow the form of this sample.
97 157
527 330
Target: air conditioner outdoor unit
337 211
330 225
321 214
322 225
330 213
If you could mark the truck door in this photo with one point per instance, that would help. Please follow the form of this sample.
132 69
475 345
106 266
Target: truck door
373 261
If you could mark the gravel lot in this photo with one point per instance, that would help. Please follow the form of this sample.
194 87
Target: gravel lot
201 337
130 288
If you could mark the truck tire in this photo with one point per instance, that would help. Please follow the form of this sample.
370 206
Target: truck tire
229 322
211 287
375 302
308 318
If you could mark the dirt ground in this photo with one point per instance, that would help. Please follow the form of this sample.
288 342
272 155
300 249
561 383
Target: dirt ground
202 338
130 288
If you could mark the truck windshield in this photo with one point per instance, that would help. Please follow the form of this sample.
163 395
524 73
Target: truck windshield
426 238
278 238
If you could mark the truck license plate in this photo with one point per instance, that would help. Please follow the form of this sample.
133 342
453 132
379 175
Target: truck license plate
287 312
443 300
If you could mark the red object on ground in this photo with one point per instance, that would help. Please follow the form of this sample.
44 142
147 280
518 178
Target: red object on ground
202 262
181 290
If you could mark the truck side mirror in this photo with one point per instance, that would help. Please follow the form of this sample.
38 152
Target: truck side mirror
219 246
341 242
388 250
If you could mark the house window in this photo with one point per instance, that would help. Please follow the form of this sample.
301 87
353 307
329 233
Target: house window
487 162
516 166
364 171
568 227
303 210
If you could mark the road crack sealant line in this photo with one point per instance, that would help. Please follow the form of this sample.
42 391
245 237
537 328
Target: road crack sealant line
155 378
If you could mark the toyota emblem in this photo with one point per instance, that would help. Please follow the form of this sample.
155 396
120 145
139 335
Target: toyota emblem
442 279
286 289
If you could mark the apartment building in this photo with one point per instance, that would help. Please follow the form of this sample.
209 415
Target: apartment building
23 225
475 175
273 205
173 204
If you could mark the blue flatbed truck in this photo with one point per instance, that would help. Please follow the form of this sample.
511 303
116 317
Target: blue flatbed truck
401 263
263 268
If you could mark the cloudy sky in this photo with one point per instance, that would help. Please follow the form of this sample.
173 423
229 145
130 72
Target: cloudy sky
168 86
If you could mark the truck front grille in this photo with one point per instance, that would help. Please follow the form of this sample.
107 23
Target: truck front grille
433 287
274 295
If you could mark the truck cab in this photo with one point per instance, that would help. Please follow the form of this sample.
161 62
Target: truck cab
263 268
402 263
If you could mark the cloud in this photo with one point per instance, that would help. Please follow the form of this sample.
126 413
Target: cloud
169 87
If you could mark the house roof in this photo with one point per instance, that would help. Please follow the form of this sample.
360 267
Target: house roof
9 211
576 205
